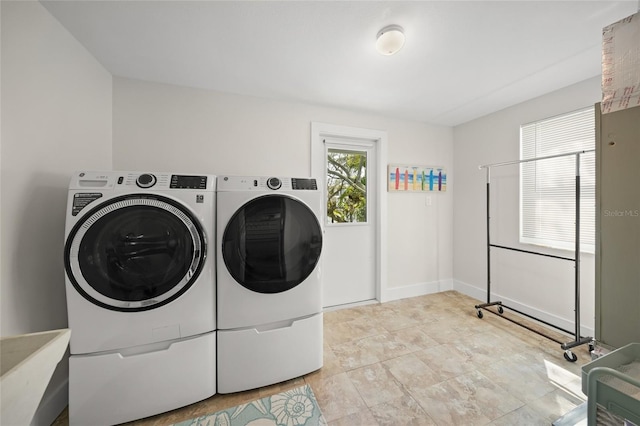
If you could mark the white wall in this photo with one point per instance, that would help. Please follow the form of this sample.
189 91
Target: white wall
540 286
56 117
170 128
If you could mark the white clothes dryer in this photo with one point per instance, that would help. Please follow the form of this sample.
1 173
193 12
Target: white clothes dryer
269 288
140 284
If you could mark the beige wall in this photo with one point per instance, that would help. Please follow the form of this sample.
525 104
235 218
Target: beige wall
540 286
172 128
56 117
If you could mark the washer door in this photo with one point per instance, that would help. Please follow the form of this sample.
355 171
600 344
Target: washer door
135 252
272 244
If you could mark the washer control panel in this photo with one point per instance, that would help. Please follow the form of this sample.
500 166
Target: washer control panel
188 182
127 181
165 180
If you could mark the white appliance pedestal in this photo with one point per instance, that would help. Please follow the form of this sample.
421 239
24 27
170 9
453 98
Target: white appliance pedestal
251 358
114 387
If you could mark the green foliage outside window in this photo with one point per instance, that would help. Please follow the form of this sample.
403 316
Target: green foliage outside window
346 186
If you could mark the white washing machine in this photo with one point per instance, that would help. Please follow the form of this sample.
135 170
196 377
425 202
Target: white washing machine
268 280
140 284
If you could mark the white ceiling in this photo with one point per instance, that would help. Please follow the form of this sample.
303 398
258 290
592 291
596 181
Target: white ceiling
461 59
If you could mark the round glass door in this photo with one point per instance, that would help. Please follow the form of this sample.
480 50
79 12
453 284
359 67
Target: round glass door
135 253
272 244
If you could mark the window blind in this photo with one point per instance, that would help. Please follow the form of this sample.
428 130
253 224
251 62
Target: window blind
547 187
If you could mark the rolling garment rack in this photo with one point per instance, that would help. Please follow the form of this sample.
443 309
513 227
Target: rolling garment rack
567 346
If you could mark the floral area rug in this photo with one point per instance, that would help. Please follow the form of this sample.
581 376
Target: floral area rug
296 407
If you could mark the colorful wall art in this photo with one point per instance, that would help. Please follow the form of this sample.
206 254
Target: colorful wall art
402 178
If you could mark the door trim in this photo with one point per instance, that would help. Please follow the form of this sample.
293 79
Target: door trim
319 131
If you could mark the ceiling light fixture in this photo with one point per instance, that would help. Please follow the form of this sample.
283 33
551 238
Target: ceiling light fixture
390 40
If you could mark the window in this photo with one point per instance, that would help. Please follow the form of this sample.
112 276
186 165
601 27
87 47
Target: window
547 187
346 186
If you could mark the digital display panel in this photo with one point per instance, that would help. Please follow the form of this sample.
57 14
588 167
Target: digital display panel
188 182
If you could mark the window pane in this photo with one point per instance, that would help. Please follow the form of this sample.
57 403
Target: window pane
346 186
547 198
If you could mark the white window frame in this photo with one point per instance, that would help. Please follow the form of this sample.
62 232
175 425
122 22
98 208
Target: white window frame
547 187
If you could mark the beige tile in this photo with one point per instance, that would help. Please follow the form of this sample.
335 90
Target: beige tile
414 337
411 371
340 316
522 416
574 387
402 411
523 380
557 371
396 319
337 397
464 398
363 418
355 354
388 346
375 384
364 327
425 314
486 348
337 333
446 406
443 331
447 360
360 323
555 404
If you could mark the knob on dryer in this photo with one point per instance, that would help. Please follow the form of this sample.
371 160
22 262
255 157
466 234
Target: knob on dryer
146 180
274 183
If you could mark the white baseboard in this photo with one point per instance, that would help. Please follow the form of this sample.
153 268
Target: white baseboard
470 290
349 305
419 289
481 294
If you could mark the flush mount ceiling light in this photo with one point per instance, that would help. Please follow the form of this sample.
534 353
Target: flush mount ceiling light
390 40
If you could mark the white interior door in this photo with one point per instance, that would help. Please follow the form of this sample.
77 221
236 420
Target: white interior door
350 237
347 161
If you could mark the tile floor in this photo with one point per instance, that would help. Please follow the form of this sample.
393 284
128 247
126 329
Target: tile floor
426 360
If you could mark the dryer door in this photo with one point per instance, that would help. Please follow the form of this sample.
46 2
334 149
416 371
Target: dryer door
272 244
135 252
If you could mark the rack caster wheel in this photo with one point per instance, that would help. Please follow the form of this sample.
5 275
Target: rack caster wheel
570 356
479 313
592 346
500 310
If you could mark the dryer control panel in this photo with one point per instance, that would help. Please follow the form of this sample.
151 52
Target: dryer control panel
308 184
265 184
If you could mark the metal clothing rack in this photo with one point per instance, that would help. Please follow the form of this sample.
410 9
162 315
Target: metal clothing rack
567 346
